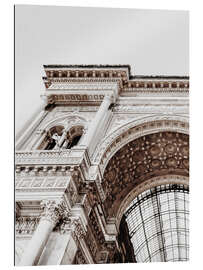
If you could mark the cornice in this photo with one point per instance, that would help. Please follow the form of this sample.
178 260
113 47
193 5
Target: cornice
39 157
90 83
104 74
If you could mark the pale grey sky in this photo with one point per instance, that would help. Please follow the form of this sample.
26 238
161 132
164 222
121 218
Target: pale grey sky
153 42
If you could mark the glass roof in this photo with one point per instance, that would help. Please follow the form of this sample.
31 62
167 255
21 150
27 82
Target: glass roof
158 223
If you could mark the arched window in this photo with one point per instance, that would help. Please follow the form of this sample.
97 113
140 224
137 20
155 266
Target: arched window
51 140
73 137
58 138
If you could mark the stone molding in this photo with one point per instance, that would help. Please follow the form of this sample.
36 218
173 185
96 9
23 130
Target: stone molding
78 108
41 183
106 74
68 156
135 129
152 108
61 98
78 86
178 92
67 121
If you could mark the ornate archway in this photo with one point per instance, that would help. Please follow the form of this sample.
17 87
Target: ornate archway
154 155
135 129
157 159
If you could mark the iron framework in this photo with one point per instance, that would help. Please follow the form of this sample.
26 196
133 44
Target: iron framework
158 223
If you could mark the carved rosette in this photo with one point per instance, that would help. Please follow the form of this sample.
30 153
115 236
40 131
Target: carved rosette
53 210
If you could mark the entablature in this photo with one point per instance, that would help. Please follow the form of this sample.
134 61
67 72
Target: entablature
71 84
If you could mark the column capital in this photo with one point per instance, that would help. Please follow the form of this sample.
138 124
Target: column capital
72 224
53 210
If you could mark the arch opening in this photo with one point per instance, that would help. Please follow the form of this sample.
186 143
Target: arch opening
154 155
154 170
58 138
155 225
51 138
73 136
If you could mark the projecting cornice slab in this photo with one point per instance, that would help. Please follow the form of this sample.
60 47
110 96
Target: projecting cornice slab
69 83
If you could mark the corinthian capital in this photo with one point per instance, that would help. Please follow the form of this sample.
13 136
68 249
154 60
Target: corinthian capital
53 210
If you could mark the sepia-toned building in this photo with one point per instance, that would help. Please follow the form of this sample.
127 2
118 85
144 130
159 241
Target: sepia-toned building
102 169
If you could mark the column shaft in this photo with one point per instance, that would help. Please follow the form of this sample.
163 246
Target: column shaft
39 239
52 211
97 120
62 138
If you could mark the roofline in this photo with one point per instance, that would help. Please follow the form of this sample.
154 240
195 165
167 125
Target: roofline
159 77
89 66
128 67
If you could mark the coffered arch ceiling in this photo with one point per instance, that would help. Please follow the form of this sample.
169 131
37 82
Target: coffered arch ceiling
157 154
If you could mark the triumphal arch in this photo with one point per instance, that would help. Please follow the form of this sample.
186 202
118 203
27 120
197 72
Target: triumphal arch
102 169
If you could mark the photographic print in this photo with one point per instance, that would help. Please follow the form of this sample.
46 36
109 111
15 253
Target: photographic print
101 135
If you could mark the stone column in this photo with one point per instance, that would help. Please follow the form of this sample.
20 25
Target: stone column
62 245
52 211
97 120
62 137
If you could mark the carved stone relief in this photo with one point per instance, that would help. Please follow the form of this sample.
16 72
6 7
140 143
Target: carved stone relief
148 156
113 141
26 225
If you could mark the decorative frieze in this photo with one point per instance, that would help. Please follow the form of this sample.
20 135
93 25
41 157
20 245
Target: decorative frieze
78 108
26 225
87 72
49 157
74 97
36 183
100 190
142 91
152 108
140 127
96 229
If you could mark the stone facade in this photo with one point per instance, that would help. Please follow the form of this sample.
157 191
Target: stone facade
102 137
